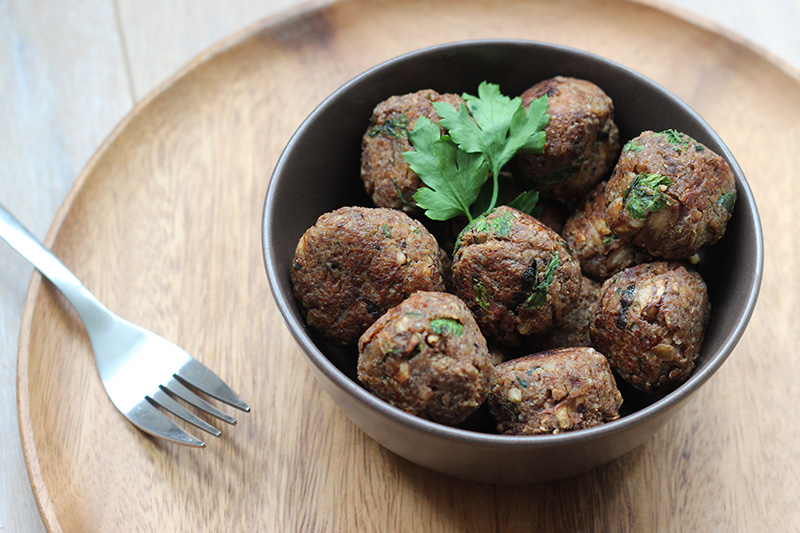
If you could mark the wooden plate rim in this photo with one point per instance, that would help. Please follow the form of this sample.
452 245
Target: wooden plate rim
27 437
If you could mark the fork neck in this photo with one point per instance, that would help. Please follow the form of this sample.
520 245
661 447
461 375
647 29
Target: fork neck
89 308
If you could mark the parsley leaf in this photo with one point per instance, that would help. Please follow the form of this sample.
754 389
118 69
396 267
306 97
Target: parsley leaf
453 177
644 195
494 127
527 203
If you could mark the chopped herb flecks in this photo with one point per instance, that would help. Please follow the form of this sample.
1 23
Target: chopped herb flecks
447 326
499 225
631 146
644 195
396 127
727 200
538 295
677 138
482 293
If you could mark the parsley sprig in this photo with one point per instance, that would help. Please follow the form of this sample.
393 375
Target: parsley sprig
481 138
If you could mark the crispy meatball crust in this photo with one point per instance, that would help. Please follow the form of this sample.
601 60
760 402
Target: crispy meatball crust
669 194
600 252
386 174
554 391
428 357
516 275
651 322
573 329
582 140
357 262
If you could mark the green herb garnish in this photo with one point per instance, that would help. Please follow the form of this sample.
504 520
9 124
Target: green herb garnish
482 136
499 225
676 137
447 326
631 146
538 295
482 293
727 201
527 203
644 195
453 177
396 127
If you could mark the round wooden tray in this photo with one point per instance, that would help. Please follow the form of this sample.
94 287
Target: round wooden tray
163 225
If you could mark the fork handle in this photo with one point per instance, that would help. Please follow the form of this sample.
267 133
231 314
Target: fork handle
90 309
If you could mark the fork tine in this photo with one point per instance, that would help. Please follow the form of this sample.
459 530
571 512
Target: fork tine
149 419
194 373
178 389
165 400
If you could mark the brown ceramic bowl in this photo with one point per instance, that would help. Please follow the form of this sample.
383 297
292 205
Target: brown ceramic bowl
319 172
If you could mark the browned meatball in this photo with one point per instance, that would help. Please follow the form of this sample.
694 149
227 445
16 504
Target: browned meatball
357 262
670 194
554 391
573 328
386 174
582 140
549 212
516 275
651 323
428 357
600 252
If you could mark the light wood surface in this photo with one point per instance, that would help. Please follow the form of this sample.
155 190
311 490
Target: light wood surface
187 173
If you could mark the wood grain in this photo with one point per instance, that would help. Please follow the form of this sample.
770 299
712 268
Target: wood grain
62 92
163 226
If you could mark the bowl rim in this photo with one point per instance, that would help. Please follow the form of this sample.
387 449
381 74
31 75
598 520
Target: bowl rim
367 400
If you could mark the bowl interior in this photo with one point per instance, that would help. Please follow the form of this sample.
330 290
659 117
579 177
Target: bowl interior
319 172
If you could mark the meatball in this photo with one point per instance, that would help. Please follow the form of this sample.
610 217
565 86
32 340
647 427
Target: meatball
669 194
357 262
549 212
386 174
554 391
582 140
651 322
516 275
428 357
573 328
600 252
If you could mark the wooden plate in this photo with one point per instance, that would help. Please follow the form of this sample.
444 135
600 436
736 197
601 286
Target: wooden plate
163 225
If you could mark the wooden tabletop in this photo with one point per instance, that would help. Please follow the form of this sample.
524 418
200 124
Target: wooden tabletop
71 72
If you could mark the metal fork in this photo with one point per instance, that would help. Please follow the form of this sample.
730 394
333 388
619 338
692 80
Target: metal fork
138 368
